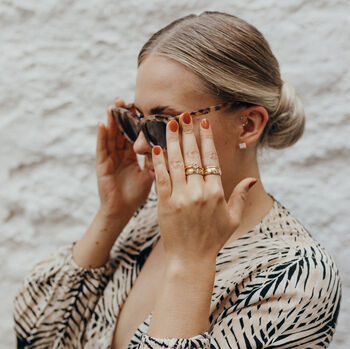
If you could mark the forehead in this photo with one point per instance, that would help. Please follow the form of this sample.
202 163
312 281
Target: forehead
164 81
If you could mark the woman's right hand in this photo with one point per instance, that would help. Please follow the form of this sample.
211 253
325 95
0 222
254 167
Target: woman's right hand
122 186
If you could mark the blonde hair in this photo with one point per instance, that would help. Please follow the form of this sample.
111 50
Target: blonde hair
236 63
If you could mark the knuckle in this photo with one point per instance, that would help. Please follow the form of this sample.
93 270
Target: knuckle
179 203
216 195
162 181
211 155
192 153
220 199
172 137
198 198
176 164
187 129
208 134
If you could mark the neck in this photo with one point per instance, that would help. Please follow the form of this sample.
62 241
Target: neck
258 202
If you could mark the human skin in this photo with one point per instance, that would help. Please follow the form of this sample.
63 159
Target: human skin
164 82
196 215
122 188
161 81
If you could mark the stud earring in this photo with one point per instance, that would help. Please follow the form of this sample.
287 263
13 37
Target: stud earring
246 123
243 145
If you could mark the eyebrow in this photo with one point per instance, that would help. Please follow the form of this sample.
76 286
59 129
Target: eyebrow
161 110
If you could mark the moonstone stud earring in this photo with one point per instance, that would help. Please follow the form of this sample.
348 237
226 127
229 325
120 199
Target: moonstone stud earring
242 146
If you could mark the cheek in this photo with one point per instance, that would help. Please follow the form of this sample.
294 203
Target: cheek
224 140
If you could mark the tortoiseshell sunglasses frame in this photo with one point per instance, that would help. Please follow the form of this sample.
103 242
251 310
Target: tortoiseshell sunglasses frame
141 119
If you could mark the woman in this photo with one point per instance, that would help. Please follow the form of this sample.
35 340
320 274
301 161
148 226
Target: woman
211 261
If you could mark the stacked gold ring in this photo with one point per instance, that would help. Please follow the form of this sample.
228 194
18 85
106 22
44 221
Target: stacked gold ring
194 169
216 170
204 171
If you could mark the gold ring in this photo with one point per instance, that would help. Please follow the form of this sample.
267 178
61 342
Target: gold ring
193 169
209 170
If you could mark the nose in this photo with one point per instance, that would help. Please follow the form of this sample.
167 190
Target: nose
141 146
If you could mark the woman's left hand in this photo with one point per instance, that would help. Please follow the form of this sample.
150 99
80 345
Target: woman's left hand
194 218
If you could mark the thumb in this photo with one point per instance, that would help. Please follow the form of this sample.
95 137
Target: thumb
236 202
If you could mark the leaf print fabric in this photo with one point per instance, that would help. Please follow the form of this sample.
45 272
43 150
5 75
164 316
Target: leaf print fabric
275 287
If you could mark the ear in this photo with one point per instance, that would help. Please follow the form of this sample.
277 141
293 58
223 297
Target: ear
255 118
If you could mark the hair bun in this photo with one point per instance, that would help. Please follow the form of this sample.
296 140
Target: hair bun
287 123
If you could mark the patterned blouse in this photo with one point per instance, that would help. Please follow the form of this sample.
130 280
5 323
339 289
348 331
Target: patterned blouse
275 287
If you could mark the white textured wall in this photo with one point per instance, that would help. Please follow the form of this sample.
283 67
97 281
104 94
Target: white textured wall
63 61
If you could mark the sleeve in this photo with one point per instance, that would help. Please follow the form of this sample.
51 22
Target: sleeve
56 299
293 304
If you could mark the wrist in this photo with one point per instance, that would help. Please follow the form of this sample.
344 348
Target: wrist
203 268
112 221
92 250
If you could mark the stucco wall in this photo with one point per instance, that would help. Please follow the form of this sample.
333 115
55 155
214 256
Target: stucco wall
63 61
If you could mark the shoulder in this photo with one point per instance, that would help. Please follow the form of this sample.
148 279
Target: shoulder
295 266
283 230
278 236
279 257
277 277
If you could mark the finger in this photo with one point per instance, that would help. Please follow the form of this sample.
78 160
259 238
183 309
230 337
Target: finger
236 202
101 144
175 160
119 102
119 138
190 148
163 181
112 131
209 154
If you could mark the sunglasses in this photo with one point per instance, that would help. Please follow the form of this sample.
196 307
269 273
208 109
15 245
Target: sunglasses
131 122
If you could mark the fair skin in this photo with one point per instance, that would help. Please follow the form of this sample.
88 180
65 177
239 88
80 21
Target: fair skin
197 215
194 220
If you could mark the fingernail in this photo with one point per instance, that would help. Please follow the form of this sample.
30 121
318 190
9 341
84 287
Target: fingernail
252 183
156 150
186 118
205 123
173 125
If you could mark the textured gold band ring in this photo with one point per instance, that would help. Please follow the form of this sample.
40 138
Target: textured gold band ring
194 169
207 170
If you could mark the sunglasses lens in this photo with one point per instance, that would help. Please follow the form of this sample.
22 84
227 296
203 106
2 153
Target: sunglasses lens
126 120
156 132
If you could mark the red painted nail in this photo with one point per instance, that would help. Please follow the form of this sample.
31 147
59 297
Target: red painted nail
156 150
173 125
205 123
186 118
252 183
